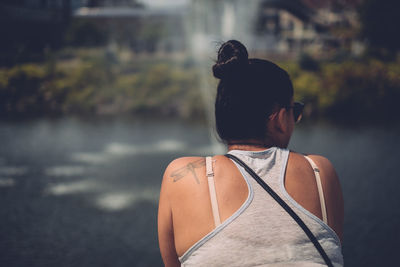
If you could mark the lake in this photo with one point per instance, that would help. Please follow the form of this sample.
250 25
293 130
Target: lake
84 192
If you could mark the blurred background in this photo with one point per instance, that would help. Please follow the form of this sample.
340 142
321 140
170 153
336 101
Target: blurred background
98 96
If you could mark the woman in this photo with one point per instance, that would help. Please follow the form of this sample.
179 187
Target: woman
213 213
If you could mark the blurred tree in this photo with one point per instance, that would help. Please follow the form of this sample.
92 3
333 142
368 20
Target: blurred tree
24 41
29 28
307 62
379 22
85 33
131 3
94 3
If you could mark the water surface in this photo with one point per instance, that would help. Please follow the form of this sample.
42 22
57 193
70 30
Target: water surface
79 192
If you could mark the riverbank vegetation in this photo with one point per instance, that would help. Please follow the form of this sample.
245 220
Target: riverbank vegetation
97 81
364 89
92 81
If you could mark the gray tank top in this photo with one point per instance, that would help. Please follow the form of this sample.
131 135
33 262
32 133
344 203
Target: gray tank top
261 233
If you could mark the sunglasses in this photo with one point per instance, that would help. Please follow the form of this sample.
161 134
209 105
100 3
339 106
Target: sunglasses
297 110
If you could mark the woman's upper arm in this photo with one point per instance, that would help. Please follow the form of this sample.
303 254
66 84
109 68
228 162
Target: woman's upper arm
332 193
165 227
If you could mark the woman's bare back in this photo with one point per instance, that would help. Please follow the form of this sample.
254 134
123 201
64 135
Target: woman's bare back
190 216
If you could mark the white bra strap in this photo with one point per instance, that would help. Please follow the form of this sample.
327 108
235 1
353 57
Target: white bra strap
213 194
320 189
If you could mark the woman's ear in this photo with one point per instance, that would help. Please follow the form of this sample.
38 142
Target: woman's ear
279 120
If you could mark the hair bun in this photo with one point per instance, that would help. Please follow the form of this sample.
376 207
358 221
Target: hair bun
232 57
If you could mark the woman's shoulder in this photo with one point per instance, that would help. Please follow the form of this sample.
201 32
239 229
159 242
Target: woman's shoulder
324 167
303 179
323 163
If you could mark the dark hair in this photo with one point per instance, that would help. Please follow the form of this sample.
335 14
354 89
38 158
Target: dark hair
247 93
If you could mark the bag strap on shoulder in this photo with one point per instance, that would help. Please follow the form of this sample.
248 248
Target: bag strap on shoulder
286 207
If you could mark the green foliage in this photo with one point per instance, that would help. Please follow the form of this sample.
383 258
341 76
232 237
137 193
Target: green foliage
307 85
158 89
306 62
362 90
349 90
26 89
98 83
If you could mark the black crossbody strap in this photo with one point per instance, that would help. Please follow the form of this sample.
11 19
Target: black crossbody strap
285 206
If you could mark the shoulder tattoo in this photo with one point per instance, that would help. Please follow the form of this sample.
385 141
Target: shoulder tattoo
189 168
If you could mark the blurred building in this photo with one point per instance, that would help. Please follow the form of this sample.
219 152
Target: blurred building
298 26
140 28
290 26
277 26
38 10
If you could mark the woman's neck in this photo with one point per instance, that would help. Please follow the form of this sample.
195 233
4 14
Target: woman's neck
250 145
